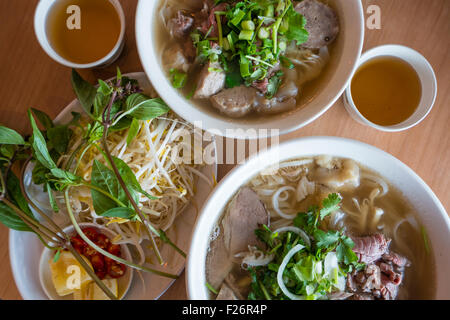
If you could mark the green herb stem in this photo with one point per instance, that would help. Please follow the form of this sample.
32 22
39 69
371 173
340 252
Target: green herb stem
104 252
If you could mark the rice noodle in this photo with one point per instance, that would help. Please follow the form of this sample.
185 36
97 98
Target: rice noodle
275 202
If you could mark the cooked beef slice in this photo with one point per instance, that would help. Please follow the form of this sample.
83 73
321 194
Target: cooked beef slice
218 262
382 275
371 248
211 81
226 293
245 214
321 23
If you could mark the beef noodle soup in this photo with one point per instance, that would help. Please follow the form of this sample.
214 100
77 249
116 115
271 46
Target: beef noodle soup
243 58
319 228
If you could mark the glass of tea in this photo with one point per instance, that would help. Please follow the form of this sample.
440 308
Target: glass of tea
81 33
393 88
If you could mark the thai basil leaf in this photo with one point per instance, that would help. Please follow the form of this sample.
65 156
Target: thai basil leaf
100 102
141 107
11 220
130 179
15 193
120 212
133 131
51 198
9 136
40 146
104 88
104 178
59 137
43 118
84 90
7 150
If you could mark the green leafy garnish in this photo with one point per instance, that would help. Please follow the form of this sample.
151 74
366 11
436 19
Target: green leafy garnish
307 274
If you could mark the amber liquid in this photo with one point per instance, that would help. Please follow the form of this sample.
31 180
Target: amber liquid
386 90
99 33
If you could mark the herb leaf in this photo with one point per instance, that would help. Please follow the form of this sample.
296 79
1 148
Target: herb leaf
40 146
120 212
84 90
10 136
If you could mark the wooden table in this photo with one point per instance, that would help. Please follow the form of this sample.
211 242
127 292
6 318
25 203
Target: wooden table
29 78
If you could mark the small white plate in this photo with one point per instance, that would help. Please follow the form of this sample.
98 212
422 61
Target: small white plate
25 249
45 276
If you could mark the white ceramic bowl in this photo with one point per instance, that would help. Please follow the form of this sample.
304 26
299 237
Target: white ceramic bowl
45 276
40 20
432 214
345 54
427 80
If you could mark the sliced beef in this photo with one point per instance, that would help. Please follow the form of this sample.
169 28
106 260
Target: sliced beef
180 25
210 22
235 102
245 214
396 259
382 275
218 262
226 293
211 81
321 23
371 248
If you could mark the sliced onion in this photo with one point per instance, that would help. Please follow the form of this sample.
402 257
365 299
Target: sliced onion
296 230
275 202
283 265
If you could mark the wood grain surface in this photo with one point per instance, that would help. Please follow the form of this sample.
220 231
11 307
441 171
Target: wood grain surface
29 78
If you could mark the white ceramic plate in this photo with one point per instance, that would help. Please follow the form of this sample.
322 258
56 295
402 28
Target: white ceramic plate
25 249
345 54
431 212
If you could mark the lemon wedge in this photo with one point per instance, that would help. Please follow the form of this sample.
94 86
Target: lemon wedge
67 274
95 293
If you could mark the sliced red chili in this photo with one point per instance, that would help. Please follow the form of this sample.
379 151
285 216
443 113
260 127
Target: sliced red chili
116 270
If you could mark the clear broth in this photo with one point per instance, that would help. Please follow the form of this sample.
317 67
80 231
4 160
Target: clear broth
99 33
386 90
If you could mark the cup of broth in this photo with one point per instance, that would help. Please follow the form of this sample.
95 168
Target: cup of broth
393 88
80 33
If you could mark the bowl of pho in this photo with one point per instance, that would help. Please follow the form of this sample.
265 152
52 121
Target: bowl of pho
320 218
275 64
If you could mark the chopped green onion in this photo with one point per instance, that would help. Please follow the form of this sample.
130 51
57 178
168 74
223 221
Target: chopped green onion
178 78
282 46
246 35
263 33
226 44
244 67
248 25
219 27
269 11
238 18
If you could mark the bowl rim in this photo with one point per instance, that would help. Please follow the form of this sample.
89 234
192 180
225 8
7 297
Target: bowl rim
144 26
209 214
385 50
